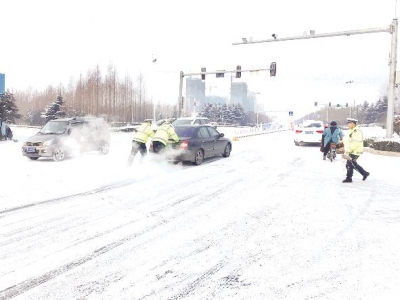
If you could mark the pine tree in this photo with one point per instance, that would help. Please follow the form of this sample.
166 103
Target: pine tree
8 108
53 110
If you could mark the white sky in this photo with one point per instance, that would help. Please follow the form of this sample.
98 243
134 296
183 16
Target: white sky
265 223
47 42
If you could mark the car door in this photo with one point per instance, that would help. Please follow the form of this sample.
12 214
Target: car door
207 141
219 144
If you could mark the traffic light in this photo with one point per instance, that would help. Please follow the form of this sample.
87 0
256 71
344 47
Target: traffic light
329 104
238 73
203 76
315 103
220 74
272 69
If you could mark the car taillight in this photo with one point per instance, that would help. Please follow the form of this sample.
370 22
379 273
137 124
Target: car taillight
184 145
299 131
320 131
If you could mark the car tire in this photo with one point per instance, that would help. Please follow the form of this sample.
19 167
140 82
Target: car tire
104 148
227 151
199 158
33 158
58 154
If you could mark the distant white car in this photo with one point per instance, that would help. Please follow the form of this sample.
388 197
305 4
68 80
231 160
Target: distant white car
191 121
309 132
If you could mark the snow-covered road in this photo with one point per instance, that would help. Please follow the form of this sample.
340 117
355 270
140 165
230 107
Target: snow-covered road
273 221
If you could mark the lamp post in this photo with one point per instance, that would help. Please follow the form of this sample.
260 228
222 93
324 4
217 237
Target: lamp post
350 83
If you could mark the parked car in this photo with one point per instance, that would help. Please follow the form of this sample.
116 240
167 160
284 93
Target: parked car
191 121
308 132
62 137
197 143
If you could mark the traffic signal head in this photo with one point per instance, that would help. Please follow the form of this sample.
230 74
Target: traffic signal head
203 76
272 69
238 73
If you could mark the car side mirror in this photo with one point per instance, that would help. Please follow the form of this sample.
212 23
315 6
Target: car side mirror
69 131
221 135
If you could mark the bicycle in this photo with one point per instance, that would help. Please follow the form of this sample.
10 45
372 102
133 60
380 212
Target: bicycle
331 155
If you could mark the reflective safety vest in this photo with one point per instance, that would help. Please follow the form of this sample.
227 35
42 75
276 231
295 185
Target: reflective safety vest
355 141
143 132
164 133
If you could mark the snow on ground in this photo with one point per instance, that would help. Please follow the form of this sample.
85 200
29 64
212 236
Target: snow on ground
273 221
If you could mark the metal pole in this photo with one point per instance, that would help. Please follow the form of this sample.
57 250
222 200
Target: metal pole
179 112
392 79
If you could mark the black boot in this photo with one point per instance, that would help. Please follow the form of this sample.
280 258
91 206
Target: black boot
347 180
366 174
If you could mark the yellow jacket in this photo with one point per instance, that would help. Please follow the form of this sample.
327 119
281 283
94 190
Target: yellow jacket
143 132
164 133
355 141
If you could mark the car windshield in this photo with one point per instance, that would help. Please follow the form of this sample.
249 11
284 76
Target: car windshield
182 122
54 127
185 131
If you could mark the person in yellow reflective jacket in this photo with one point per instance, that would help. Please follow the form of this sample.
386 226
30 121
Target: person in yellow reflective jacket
354 148
139 140
164 133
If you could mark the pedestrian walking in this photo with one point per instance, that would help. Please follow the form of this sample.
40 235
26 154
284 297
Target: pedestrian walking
139 140
332 134
354 148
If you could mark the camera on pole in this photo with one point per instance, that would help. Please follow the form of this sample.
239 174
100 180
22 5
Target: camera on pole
272 69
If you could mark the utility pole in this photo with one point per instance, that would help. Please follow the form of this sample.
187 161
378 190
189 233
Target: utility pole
392 29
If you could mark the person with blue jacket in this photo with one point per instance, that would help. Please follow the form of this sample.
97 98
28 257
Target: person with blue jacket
332 134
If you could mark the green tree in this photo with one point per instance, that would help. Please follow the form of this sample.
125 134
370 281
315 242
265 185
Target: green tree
53 110
8 108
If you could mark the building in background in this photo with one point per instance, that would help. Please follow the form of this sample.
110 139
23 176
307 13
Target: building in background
195 95
2 83
239 94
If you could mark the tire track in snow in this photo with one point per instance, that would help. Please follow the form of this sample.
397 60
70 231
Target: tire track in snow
36 281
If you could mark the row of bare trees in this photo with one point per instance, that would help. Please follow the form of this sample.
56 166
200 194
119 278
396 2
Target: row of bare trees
95 94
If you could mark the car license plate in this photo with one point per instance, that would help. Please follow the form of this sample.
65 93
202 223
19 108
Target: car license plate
30 149
309 132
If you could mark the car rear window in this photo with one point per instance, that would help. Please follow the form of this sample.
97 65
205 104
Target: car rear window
182 122
317 125
185 131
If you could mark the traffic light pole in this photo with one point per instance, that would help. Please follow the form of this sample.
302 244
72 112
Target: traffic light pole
392 29
182 104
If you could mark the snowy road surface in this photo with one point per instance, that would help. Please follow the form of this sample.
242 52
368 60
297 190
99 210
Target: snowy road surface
273 221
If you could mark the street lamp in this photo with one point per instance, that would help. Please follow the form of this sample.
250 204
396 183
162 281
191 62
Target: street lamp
350 82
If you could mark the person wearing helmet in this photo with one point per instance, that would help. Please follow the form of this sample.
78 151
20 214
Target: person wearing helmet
332 134
164 133
139 140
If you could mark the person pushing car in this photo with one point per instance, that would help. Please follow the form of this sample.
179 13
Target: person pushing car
164 133
139 140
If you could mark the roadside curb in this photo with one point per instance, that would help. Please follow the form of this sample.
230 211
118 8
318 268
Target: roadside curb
380 152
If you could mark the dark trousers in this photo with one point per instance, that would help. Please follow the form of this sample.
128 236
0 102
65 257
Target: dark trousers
327 147
352 164
158 147
136 147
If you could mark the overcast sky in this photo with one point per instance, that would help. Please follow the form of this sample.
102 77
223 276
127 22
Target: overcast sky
45 42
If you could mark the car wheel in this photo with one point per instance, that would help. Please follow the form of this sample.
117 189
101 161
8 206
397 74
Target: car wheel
104 148
33 158
227 151
58 154
198 160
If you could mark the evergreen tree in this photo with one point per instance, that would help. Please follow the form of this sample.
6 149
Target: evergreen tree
8 108
53 110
